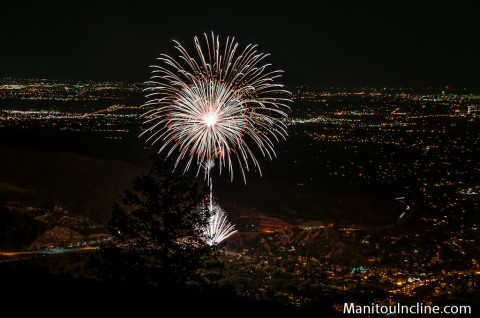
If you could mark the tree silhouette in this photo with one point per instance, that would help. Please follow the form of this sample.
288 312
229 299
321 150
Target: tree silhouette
154 231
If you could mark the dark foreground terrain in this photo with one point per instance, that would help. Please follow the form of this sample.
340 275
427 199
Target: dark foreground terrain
30 288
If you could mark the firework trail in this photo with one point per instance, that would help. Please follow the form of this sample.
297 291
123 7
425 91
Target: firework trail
213 109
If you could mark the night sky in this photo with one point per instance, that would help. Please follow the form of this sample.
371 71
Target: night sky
347 44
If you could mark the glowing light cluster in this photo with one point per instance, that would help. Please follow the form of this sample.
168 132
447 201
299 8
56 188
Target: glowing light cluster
209 109
210 118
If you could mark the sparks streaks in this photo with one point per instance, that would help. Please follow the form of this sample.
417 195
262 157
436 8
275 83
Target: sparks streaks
214 108
217 227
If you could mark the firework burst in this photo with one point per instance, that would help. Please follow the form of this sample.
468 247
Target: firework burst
217 227
214 108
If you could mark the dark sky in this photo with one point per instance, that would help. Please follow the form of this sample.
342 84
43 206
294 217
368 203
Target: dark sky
342 44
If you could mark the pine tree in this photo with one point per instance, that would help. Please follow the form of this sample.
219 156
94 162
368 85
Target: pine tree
155 230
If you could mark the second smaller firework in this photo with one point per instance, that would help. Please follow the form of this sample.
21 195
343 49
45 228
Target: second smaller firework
217 227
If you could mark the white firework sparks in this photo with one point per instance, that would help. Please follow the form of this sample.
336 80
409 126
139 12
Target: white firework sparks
217 228
208 110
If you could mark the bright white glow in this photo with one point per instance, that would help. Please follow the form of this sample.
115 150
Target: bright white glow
210 118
